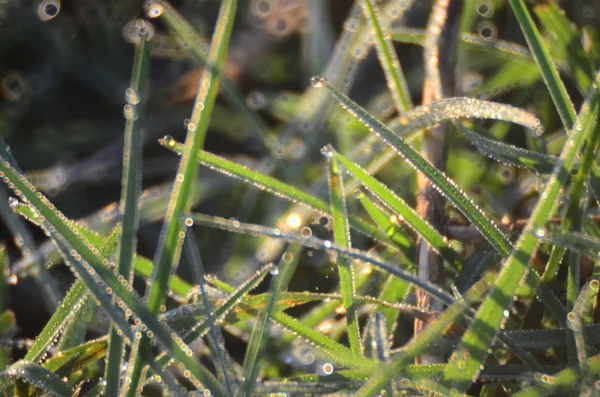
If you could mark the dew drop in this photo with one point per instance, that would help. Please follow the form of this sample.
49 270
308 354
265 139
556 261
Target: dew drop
327 152
317 82
274 271
540 233
48 9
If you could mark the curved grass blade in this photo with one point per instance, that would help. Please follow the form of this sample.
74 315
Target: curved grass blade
388 59
93 271
341 236
508 154
490 316
39 377
168 250
437 178
135 111
403 210
257 344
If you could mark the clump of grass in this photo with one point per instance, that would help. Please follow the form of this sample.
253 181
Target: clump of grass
516 308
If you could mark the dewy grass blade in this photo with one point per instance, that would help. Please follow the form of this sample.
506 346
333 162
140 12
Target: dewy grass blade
135 111
367 257
389 224
508 154
215 336
271 185
196 44
39 377
437 178
168 251
257 344
388 59
236 295
419 343
468 357
396 204
555 86
341 236
568 42
93 270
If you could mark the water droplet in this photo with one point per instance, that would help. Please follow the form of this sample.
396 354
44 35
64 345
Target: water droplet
274 271
327 152
540 233
48 9
317 82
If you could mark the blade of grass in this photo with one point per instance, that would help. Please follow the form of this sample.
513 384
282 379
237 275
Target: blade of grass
492 313
193 255
341 236
406 213
271 185
168 250
388 59
39 377
555 86
135 111
438 179
257 344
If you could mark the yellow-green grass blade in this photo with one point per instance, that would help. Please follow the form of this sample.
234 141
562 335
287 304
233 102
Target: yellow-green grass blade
135 111
388 58
403 210
196 44
341 237
168 251
492 313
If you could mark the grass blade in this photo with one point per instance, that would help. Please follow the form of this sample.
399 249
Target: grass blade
257 344
168 251
135 111
388 59
396 204
39 377
271 185
555 86
491 314
341 236
437 178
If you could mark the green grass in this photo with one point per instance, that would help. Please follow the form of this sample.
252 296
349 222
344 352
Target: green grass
286 253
